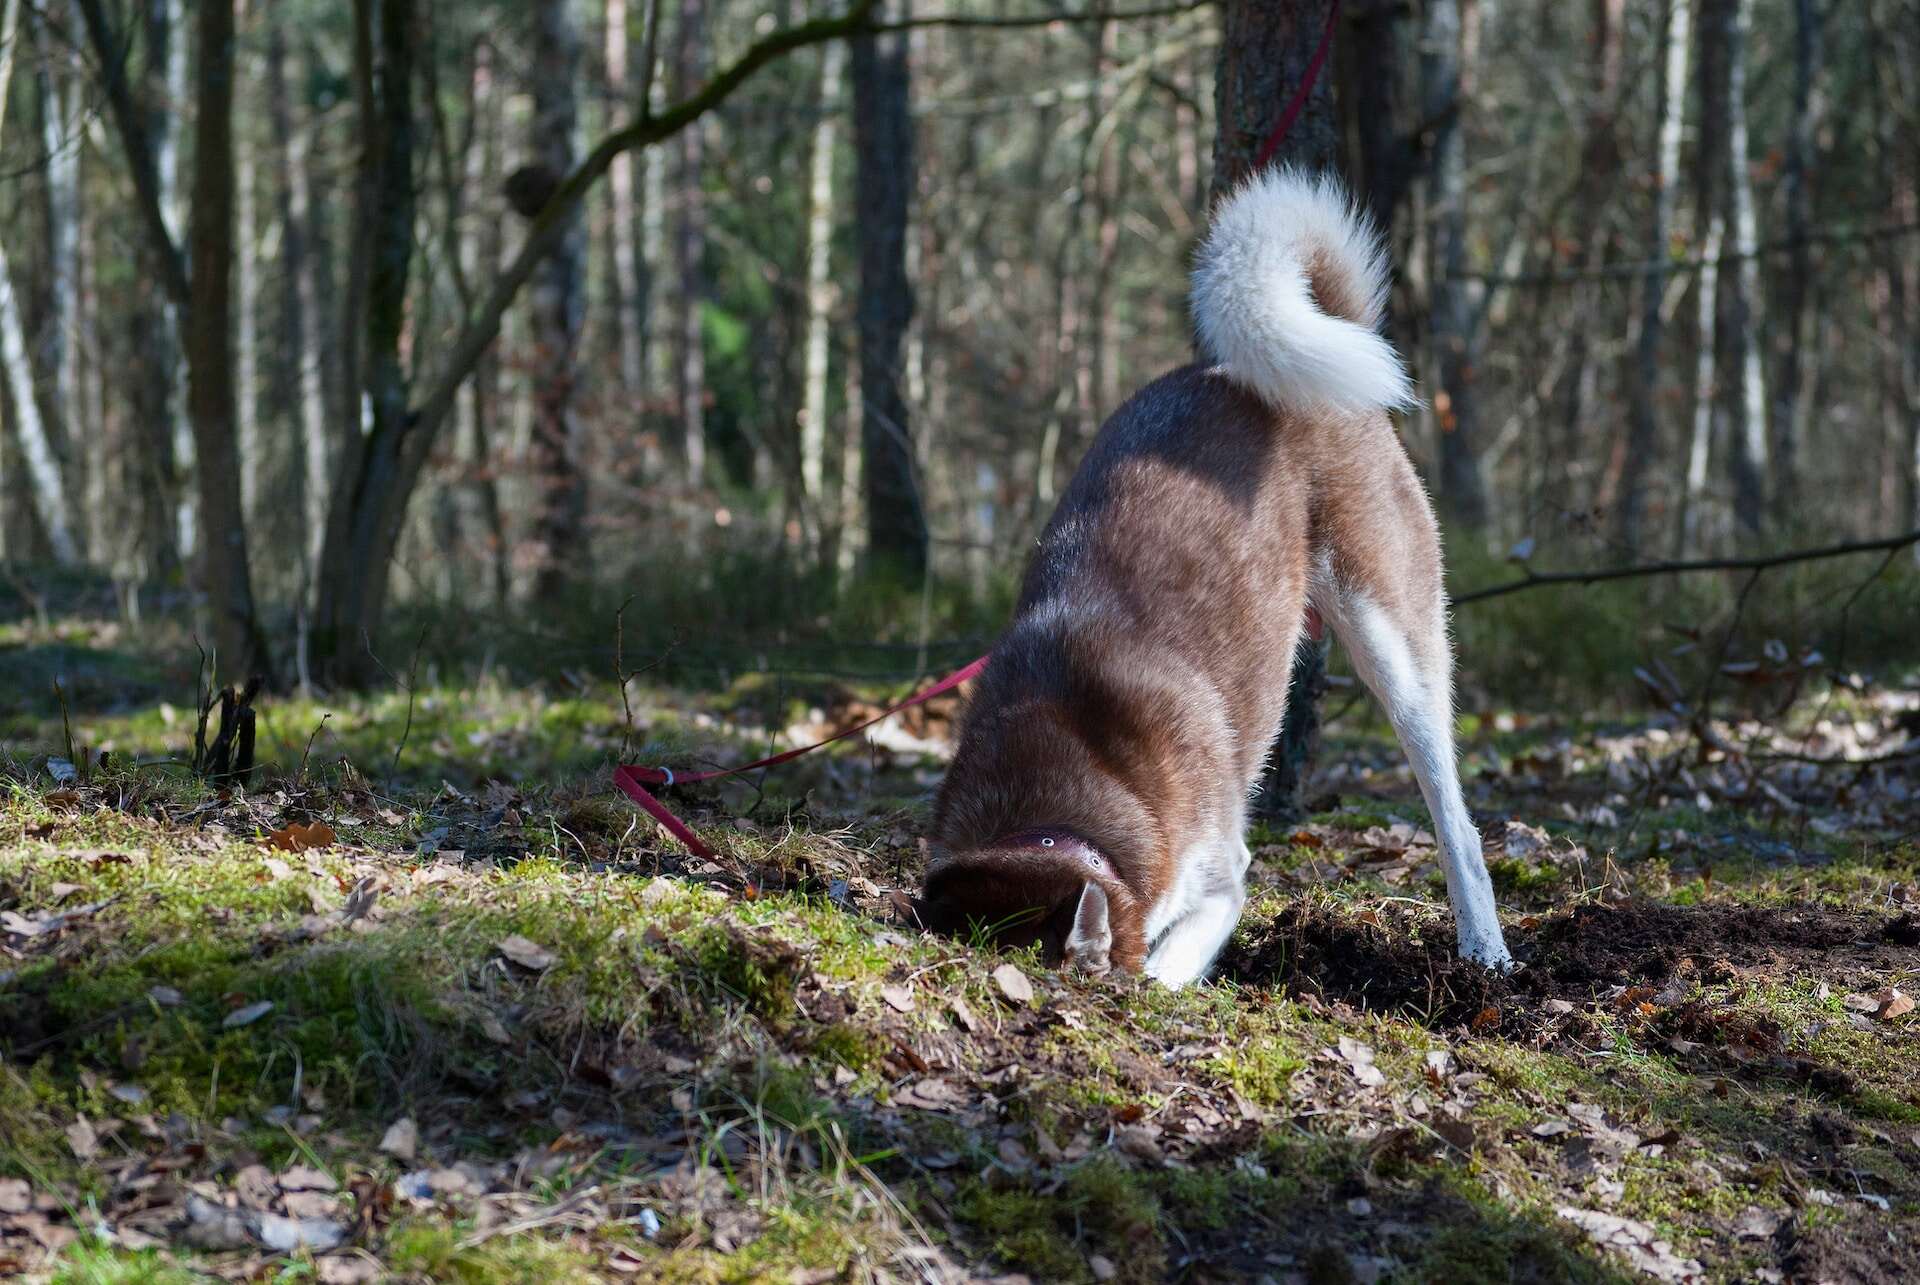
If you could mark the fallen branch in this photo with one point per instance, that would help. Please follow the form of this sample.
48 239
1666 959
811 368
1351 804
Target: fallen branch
1536 579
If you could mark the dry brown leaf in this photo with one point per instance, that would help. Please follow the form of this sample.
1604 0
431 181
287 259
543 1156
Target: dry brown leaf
299 838
1013 984
898 997
526 954
1485 1020
1891 1003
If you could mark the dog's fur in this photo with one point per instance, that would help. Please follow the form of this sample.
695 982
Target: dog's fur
1127 713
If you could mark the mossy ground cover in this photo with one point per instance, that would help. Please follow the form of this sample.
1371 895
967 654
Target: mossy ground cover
499 1029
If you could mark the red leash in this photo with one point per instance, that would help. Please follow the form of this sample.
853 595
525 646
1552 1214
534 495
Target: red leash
634 779
1298 102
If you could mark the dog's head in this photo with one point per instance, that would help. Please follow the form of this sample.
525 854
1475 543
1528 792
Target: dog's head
1047 888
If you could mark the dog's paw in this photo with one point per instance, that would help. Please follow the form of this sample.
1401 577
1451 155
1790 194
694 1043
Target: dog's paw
1489 953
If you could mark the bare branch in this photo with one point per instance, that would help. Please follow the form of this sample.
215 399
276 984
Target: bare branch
1534 580
128 118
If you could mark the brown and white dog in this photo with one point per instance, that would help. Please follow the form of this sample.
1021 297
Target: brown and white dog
1097 803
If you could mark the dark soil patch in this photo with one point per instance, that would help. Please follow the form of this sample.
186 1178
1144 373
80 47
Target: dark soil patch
1388 959
1860 1251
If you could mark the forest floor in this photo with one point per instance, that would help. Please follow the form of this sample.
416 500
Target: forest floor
432 1002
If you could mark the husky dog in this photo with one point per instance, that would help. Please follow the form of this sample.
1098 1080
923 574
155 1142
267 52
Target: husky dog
1097 803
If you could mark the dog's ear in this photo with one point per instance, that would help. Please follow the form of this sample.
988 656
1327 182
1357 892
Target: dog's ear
1090 944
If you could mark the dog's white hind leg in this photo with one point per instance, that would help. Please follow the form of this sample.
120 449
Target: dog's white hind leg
1418 696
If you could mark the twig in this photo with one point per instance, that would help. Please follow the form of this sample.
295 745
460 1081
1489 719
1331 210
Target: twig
1040 19
1535 579
300 776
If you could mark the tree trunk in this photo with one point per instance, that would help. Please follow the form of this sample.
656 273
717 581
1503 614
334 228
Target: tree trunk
246 254
628 293
48 486
1443 60
1696 522
299 307
1599 181
556 303
59 351
1264 53
1381 157
153 389
883 147
369 503
690 250
1643 432
165 136
225 574
1739 356
1796 331
480 246
821 293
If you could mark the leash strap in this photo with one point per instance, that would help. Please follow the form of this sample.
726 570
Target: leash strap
1298 102
634 778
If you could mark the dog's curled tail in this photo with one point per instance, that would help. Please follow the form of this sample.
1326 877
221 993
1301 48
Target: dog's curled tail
1288 288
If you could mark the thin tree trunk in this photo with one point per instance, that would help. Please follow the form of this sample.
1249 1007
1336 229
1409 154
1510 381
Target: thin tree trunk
59 353
883 147
820 295
1443 57
153 391
1264 53
480 244
364 521
299 309
556 301
246 253
1796 334
1740 373
173 209
1696 522
690 250
226 575
1599 174
1643 433
628 293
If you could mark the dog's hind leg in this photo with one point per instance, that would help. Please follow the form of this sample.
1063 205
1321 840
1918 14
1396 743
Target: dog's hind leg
1401 654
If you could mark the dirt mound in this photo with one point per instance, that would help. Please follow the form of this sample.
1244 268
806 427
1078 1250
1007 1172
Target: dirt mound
1388 959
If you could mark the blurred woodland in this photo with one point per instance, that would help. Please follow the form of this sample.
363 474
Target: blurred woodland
311 312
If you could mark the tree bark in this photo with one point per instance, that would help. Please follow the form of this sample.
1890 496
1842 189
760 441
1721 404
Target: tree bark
1265 50
883 148
628 293
363 523
1740 378
1643 432
246 255
1696 522
557 304
821 294
226 576
1796 331
299 306
690 250
1444 86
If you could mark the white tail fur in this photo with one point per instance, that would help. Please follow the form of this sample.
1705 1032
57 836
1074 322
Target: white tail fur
1287 291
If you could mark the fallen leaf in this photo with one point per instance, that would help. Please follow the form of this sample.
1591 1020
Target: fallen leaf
1636 1241
16 1197
1551 1128
247 1016
307 1178
83 1139
289 1234
1485 1020
299 838
964 1016
526 954
1013 984
1359 1059
1101 1267
898 997
401 1139
1892 1003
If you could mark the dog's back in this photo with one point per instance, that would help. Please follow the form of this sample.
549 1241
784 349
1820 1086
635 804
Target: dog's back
1114 737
